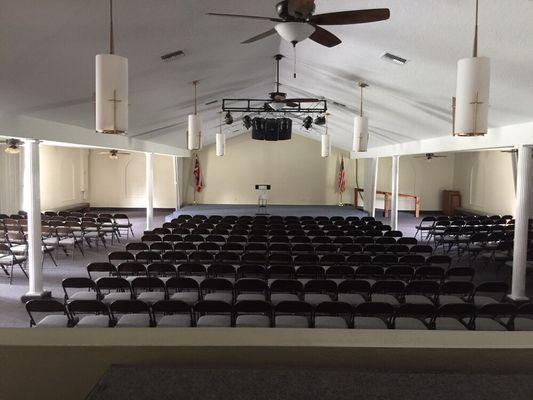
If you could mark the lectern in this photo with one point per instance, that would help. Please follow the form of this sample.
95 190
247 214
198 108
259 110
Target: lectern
262 201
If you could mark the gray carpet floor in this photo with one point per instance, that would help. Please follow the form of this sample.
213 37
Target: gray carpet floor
12 311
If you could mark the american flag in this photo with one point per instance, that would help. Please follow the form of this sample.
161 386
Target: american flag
197 172
341 184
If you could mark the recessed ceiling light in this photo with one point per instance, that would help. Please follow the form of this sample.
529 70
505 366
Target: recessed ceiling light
393 58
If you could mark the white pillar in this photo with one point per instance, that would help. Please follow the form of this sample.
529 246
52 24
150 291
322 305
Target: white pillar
177 182
518 291
149 191
32 202
370 186
395 190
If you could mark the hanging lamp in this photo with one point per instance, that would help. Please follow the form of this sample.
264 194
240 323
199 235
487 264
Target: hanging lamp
111 94
220 140
360 127
470 107
194 133
326 142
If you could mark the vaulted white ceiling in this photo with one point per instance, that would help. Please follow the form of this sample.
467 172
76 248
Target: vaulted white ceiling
47 51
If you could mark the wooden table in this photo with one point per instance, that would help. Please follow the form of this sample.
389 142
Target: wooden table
388 195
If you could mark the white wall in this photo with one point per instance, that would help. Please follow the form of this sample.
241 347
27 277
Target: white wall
10 182
297 173
486 182
122 183
63 176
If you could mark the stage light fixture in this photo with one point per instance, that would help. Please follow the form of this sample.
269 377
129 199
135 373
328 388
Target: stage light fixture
320 120
228 119
247 121
308 122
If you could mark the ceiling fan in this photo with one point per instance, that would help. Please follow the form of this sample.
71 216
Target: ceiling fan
279 99
430 156
13 146
297 22
113 154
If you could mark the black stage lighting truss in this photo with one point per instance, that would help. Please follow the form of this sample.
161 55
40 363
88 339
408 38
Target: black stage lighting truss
263 107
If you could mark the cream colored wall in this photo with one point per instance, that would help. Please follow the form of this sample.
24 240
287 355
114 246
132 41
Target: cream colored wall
486 182
418 176
122 183
63 176
297 173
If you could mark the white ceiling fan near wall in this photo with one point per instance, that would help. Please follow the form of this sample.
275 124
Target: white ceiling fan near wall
409 102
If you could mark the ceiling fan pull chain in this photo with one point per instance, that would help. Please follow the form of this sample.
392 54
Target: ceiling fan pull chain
294 65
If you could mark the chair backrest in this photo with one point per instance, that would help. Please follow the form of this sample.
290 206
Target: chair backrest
419 311
212 307
459 288
191 269
389 287
286 286
129 307
45 306
216 285
120 256
171 307
425 288
374 309
320 286
131 268
112 283
250 285
294 308
103 267
463 273
87 307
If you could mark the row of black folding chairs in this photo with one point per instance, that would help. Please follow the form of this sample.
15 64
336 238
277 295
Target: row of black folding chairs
432 271
281 226
318 247
349 232
392 237
204 257
313 291
265 218
431 225
286 314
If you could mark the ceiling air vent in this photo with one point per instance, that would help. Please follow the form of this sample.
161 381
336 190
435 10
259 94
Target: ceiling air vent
393 58
172 56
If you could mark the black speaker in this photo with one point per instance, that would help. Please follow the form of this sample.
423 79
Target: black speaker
285 129
271 129
258 128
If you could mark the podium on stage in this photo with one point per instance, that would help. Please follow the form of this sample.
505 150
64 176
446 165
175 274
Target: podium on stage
262 201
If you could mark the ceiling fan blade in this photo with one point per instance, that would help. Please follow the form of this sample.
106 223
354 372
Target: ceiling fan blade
290 103
324 37
306 100
351 17
246 16
260 36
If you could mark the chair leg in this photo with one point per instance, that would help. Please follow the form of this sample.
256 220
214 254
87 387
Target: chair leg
52 258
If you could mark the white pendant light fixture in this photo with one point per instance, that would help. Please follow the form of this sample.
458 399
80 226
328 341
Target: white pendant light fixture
326 142
471 104
111 93
360 127
220 141
194 132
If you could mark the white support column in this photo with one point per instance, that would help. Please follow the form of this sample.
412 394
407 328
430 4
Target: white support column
371 181
32 202
149 191
395 190
518 292
177 182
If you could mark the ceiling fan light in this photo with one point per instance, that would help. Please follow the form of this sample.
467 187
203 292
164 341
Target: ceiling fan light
194 132
220 144
326 146
111 94
360 134
472 96
295 32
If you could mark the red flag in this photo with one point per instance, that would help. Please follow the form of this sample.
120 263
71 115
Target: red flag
197 172
341 183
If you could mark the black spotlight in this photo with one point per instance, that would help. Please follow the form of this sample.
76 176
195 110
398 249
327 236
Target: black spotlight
228 118
320 120
308 122
247 121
